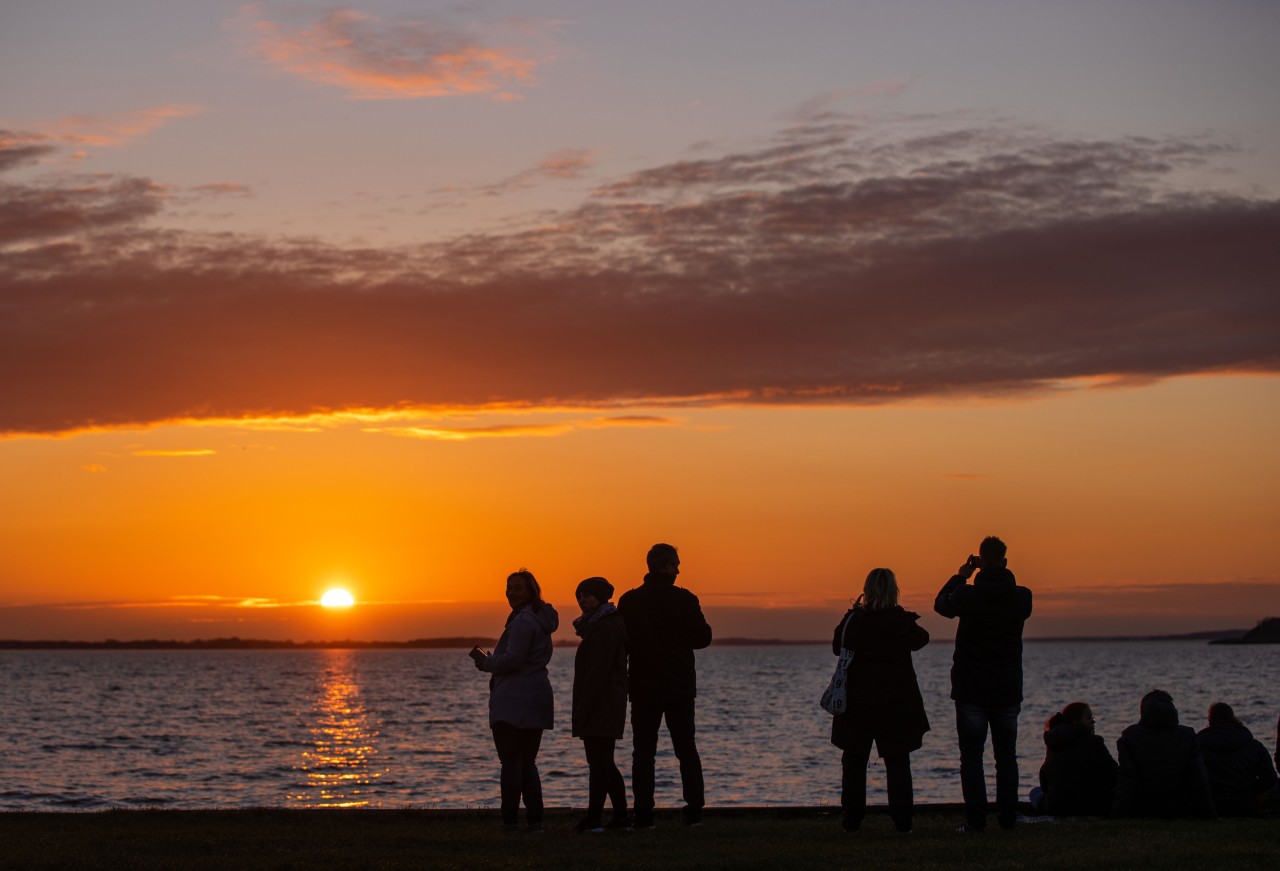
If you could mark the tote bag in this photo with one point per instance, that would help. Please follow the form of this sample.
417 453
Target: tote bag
835 700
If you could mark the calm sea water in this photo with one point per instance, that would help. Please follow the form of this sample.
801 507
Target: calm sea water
200 729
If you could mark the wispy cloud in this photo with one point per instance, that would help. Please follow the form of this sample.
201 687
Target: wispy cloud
191 452
831 265
458 434
375 59
223 188
19 147
113 130
567 164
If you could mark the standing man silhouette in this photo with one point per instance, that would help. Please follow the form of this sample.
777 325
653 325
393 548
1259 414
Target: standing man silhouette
664 627
986 677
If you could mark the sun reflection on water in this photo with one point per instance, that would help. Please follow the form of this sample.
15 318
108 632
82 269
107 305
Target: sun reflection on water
339 769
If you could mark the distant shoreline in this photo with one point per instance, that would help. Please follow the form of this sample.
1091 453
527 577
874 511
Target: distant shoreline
1228 636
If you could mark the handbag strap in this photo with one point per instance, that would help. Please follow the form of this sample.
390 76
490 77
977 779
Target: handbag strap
844 634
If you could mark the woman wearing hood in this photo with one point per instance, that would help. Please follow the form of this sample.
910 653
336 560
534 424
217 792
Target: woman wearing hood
1240 769
600 700
520 701
884 702
1078 777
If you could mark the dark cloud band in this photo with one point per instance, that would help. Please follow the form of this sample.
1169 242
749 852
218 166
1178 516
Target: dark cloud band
823 269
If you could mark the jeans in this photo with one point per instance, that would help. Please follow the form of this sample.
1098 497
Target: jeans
646 717
972 722
853 785
604 779
518 751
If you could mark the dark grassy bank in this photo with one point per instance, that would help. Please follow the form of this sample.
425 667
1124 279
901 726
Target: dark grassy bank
279 840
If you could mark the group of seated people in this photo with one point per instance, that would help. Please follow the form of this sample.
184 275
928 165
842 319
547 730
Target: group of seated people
1165 769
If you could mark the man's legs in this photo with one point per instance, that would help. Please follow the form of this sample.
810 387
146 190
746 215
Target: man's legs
646 717
681 726
1004 746
971 731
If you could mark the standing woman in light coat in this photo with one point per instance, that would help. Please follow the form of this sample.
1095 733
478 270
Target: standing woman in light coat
600 701
520 702
885 705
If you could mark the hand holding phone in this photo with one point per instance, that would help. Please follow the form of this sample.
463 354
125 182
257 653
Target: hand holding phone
477 656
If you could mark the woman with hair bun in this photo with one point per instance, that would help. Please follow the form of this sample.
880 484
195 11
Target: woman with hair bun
1078 777
884 702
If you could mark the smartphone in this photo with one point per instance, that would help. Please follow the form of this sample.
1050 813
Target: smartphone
477 654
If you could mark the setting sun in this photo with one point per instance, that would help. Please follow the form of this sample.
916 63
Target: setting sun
337 599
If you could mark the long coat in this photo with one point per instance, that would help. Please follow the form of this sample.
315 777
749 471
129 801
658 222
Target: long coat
600 680
884 695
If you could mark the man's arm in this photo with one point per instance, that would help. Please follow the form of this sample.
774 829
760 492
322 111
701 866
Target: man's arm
945 603
699 629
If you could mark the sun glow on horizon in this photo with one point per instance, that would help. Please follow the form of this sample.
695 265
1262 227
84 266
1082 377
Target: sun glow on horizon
337 598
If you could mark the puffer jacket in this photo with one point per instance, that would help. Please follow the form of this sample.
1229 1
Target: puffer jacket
520 690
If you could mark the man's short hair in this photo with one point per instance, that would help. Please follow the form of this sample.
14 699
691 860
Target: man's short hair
659 555
992 549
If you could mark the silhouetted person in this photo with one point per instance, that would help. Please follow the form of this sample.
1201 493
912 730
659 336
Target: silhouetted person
1162 772
1078 777
600 700
986 677
520 700
884 702
1240 769
664 627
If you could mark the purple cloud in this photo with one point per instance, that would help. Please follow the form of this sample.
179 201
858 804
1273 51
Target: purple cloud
826 267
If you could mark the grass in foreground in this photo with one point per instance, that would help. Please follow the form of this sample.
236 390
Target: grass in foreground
294 840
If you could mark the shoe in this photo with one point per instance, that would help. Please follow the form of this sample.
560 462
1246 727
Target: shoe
536 829
1007 823
510 828
966 829
692 816
620 823
644 821
851 824
589 825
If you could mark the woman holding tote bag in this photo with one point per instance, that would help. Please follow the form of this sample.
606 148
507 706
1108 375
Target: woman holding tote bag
884 704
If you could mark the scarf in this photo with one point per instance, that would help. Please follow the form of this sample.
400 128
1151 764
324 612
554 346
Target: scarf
582 625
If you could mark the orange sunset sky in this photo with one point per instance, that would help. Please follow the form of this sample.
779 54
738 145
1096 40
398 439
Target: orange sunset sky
400 297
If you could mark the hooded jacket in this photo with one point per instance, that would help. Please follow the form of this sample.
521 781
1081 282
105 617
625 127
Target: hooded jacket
1162 772
664 627
520 690
1078 775
1239 767
986 667
884 696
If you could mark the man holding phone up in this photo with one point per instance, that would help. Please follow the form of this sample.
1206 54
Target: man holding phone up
986 677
